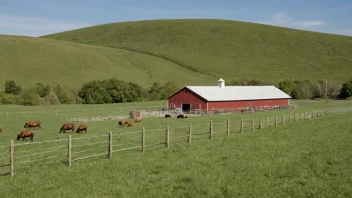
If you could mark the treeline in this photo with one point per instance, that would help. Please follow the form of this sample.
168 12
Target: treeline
93 92
117 91
306 89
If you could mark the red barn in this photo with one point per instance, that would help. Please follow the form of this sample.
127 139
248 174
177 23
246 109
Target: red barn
227 97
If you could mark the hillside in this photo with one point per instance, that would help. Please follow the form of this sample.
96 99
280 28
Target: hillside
30 60
229 49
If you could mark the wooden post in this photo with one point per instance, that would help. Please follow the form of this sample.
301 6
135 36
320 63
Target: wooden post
190 134
167 139
267 121
283 119
143 139
228 127
275 120
289 118
69 151
241 125
12 153
110 145
252 124
211 130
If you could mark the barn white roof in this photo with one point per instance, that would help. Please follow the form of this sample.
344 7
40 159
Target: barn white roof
230 93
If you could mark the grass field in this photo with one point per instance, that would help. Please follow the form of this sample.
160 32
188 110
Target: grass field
228 49
30 60
311 158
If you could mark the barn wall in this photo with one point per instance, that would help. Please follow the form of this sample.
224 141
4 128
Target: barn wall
186 96
253 103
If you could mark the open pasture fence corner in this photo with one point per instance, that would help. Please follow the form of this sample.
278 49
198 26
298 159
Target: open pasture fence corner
71 149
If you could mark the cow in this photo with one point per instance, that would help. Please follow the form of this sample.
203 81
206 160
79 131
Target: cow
137 120
129 124
25 134
167 116
180 116
0 129
82 127
32 124
186 116
122 123
66 127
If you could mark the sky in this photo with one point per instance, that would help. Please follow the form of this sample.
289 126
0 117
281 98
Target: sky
41 17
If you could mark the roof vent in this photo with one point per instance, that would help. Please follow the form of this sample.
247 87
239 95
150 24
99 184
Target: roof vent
221 83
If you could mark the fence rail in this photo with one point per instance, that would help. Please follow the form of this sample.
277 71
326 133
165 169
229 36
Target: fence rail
76 149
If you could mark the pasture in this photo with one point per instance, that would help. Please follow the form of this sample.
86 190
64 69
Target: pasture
309 158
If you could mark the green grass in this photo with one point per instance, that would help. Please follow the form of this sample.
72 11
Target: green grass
30 60
305 159
228 49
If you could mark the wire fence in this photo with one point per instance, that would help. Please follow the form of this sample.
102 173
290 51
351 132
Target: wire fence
125 110
67 151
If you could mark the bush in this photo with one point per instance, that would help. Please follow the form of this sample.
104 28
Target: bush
29 97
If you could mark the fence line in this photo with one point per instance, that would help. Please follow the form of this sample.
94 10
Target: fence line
144 139
73 111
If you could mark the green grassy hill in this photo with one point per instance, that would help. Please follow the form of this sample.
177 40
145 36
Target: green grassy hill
30 60
229 49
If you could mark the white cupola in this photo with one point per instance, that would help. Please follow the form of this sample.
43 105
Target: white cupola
221 83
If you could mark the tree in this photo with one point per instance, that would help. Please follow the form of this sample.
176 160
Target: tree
12 88
43 90
29 97
346 90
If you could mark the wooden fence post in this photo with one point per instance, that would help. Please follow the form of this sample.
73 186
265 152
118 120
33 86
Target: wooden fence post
260 124
12 152
267 121
275 120
110 145
289 118
228 127
69 151
241 125
167 139
190 134
211 130
283 119
252 124
143 139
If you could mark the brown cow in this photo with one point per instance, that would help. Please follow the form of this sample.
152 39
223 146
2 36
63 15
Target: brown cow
32 124
25 134
137 120
122 123
66 127
0 129
129 124
82 127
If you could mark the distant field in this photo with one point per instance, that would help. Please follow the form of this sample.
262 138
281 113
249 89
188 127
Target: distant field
309 158
31 60
228 49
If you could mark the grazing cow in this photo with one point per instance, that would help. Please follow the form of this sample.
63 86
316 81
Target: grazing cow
129 124
137 120
82 127
66 127
180 116
25 134
167 116
0 129
32 124
122 123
